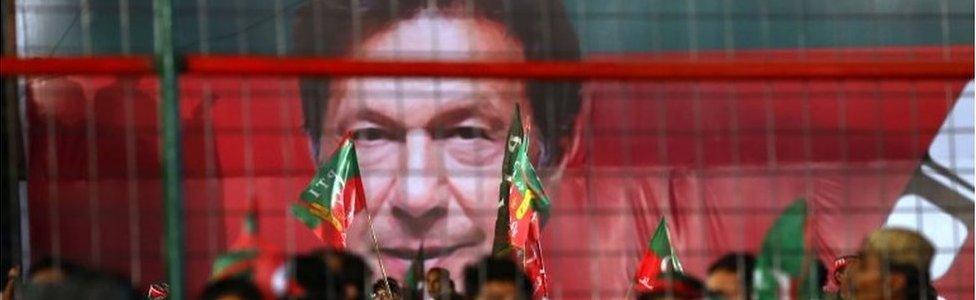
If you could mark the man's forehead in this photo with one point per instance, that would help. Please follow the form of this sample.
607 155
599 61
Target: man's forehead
432 35
427 88
414 101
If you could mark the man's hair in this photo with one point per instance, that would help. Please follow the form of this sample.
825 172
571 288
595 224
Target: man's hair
492 269
66 267
905 252
349 269
740 263
440 270
78 282
328 28
387 283
242 288
312 274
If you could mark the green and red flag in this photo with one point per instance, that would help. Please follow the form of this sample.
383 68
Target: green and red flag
238 259
521 207
785 267
413 281
249 257
500 246
659 257
333 197
528 203
534 265
522 199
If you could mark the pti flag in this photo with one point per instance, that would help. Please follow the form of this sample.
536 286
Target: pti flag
249 257
413 281
500 246
333 197
785 268
238 260
522 205
658 258
534 265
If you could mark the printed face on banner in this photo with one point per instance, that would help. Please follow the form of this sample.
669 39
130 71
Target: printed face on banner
430 149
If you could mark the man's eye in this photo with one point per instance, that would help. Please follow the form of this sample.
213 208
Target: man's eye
372 134
465 132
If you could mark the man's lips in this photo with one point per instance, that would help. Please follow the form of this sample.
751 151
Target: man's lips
430 252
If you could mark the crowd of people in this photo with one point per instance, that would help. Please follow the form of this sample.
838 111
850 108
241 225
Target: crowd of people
891 264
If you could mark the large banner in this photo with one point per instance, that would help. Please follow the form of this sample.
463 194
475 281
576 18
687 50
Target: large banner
718 159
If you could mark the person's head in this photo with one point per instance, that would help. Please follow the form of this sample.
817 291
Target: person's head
231 289
438 283
731 276
386 289
496 279
893 263
430 149
53 278
307 276
674 285
351 271
52 270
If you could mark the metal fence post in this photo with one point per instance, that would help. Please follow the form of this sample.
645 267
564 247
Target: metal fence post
169 116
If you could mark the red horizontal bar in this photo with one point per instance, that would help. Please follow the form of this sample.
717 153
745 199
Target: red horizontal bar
669 69
93 65
663 69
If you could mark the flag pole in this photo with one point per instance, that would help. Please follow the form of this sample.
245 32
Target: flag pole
376 248
630 288
675 264
372 232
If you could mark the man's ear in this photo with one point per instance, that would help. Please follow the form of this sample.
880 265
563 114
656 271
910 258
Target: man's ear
897 282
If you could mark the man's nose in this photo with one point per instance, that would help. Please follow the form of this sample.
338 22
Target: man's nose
423 201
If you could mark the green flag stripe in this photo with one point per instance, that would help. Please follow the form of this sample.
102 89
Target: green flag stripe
331 177
661 245
305 216
513 141
250 223
783 246
230 258
415 273
784 257
525 177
